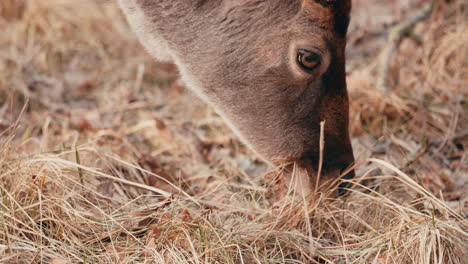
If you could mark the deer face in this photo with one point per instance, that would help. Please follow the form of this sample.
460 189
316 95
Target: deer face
274 69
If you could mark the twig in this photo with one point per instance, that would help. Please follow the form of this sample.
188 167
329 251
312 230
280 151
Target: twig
322 147
78 161
395 37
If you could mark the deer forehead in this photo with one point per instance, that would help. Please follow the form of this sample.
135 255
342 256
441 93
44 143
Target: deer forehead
330 15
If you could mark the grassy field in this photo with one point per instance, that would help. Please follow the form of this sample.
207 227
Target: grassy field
106 158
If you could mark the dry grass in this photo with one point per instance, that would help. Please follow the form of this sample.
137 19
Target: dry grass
105 158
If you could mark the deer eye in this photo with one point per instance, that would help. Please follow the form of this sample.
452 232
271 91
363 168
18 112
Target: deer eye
308 60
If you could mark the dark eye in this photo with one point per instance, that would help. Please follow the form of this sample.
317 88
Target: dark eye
308 60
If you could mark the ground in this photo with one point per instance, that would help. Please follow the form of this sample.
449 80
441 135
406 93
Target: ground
105 157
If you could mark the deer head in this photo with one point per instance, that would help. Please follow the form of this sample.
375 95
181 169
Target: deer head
273 69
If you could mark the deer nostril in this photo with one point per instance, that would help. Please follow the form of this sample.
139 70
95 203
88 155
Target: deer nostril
342 188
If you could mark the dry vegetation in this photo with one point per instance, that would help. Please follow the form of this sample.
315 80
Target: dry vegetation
106 158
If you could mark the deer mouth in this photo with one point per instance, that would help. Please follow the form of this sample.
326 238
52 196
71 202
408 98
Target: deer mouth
336 180
309 179
330 174
344 185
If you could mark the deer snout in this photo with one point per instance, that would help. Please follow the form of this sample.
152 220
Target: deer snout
337 172
329 170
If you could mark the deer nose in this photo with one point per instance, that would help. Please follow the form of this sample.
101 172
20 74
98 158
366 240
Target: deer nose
343 170
335 170
336 176
342 160
343 186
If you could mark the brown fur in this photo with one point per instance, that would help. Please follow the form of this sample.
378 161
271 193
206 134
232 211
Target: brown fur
240 56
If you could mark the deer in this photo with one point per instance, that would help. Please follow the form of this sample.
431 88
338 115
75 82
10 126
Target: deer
274 70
